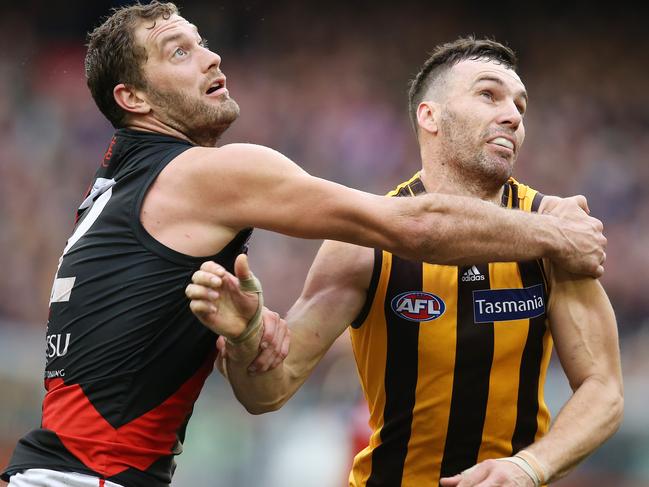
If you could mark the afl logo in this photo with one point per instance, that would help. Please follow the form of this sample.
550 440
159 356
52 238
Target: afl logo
418 306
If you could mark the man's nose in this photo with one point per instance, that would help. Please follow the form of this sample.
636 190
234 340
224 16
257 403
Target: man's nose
213 60
510 116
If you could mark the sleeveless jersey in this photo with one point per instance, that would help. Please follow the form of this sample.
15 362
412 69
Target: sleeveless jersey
452 361
125 357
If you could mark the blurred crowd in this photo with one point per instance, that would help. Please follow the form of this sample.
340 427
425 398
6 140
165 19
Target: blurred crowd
326 85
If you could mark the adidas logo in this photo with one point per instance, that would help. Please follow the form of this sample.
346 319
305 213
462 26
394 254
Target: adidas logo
472 274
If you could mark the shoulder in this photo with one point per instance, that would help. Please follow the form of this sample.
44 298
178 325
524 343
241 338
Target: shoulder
233 160
352 256
343 264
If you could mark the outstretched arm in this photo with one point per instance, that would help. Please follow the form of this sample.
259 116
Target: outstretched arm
585 333
243 185
333 295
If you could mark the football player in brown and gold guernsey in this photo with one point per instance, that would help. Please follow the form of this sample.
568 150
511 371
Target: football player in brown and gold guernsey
452 358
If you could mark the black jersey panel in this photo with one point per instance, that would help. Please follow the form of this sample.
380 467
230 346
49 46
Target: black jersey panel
125 357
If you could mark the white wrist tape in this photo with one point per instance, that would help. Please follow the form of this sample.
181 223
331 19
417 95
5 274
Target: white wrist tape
251 284
525 467
537 466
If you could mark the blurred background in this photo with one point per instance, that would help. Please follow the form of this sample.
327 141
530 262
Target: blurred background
325 83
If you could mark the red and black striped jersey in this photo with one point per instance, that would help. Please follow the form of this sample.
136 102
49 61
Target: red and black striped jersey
452 361
126 358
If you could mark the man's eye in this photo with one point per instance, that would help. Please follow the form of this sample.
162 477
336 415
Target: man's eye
180 52
487 94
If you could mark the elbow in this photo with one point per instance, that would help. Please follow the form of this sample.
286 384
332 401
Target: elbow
617 410
612 397
265 403
615 398
607 398
275 396
258 409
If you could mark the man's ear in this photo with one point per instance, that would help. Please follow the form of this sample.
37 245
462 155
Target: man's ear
130 99
427 113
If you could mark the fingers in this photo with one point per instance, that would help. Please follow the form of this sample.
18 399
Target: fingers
274 347
274 344
241 267
584 253
221 356
203 290
450 481
212 267
597 224
269 350
195 291
220 346
581 201
564 207
474 475
280 345
202 308
283 352
207 279
549 203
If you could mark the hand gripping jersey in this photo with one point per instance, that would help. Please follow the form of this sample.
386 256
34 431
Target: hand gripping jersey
452 362
126 359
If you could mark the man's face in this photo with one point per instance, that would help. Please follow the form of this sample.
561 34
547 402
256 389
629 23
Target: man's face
186 88
481 124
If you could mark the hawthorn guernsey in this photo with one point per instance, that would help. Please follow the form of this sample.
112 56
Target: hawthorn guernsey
508 304
418 306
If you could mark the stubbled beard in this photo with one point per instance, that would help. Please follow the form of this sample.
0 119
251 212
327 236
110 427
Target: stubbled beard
484 173
201 122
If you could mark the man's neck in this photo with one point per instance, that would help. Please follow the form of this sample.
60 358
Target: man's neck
443 178
154 125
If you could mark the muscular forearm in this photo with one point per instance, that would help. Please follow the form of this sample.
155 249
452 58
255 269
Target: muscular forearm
584 329
257 393
588 419
270 390
458 230
315 322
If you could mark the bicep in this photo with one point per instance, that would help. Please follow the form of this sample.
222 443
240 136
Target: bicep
333 295
584 328
253 186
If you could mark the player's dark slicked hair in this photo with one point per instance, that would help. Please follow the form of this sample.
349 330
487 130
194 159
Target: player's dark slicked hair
445 56
115 57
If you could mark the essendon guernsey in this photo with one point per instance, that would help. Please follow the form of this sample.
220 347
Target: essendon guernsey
126 359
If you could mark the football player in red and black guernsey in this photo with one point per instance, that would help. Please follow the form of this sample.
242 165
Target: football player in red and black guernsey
126 359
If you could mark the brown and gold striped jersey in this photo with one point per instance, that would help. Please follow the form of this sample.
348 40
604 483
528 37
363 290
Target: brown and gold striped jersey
452 361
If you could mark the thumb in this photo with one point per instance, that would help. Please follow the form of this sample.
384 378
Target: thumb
242 268
582 202
450 481
220 346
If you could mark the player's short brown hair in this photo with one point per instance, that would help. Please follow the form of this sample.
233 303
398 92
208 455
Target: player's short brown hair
449 54
114 56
